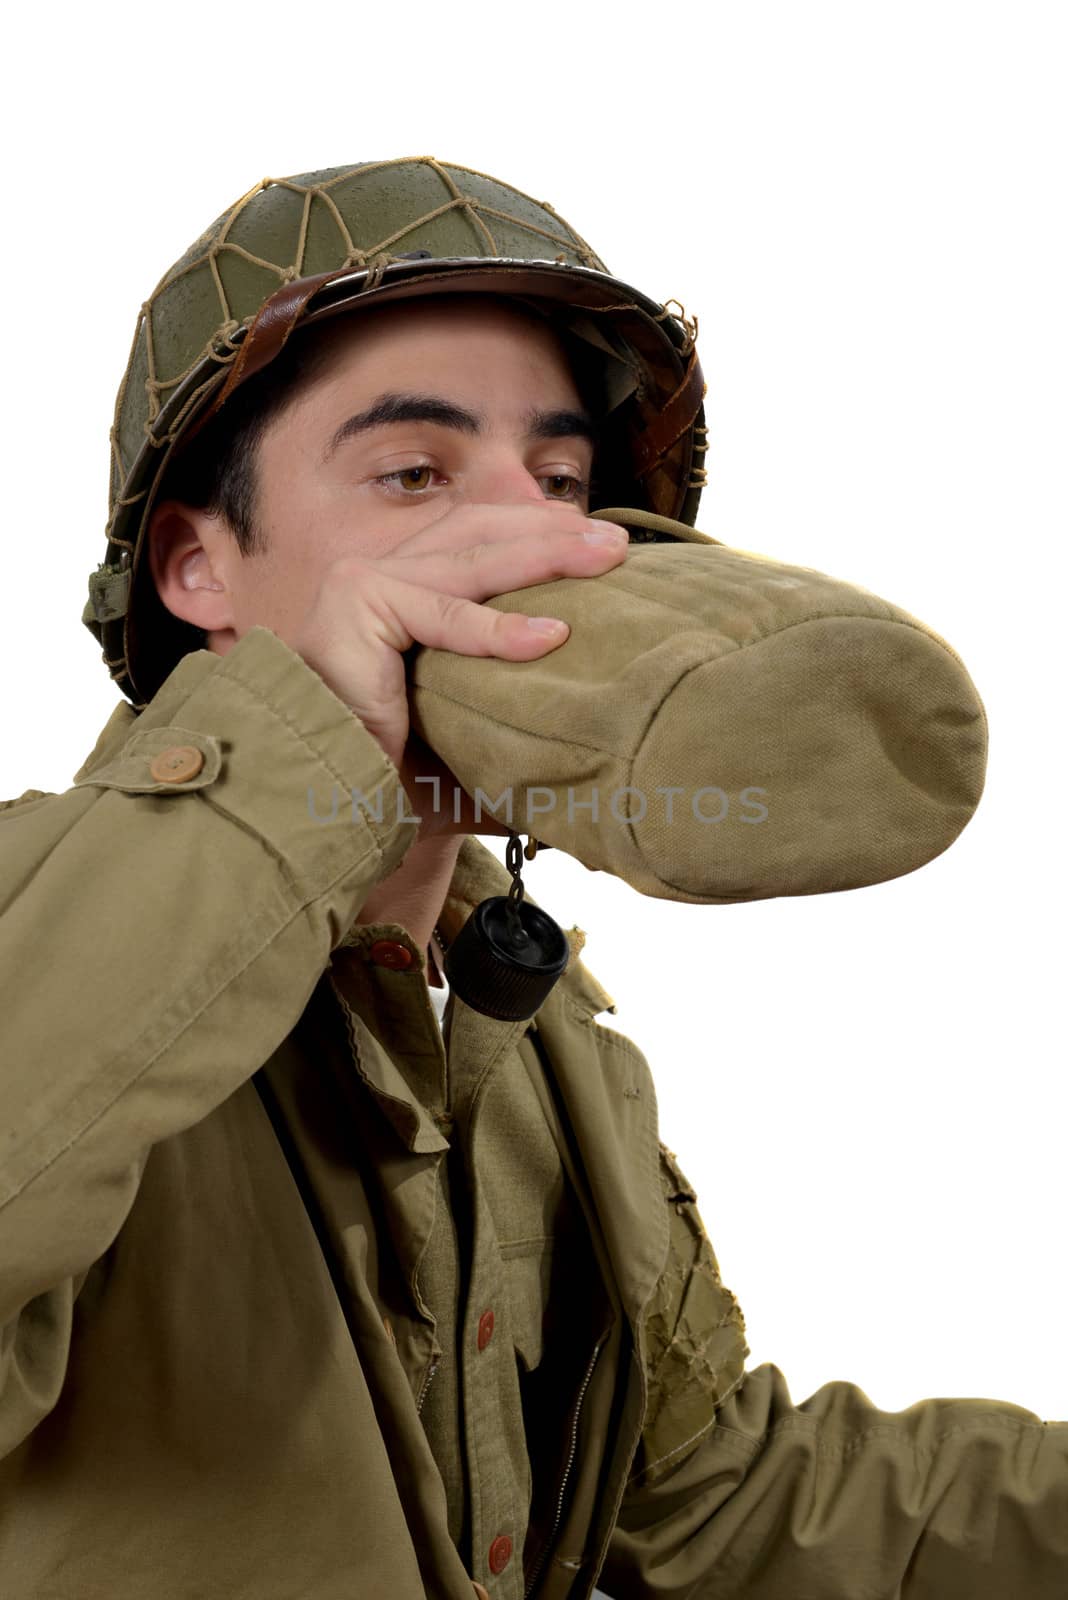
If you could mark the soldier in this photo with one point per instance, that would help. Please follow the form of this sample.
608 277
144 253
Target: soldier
313 1284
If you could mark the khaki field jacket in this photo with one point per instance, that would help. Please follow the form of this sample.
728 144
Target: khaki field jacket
300 1300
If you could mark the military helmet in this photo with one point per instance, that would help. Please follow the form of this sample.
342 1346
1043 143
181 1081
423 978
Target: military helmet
295 251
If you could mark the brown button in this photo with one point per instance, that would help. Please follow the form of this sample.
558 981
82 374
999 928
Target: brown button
500 1553
388 953
175 765
480 1592
485 1329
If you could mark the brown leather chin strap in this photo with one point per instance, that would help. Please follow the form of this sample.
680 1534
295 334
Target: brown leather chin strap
273 324
667 424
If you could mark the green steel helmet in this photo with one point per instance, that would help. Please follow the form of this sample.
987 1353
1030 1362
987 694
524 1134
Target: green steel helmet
296 251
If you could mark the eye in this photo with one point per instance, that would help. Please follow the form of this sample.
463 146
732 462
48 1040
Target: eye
408 480
563 486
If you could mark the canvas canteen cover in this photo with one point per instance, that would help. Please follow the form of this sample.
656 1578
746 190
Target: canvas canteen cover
718 726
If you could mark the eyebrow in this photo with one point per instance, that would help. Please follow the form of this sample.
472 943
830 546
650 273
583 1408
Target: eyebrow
388 408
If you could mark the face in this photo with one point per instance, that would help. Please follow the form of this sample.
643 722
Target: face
421 409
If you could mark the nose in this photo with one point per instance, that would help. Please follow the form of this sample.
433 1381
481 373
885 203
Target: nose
505 479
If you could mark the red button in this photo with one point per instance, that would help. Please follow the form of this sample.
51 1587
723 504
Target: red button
500 1553
388 953
485 1329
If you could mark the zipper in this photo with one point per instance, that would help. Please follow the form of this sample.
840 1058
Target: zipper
547 1546
434 1365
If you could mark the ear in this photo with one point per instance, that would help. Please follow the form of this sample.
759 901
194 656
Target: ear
190 554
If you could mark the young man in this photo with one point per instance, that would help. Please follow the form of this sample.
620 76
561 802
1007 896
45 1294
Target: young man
303 1293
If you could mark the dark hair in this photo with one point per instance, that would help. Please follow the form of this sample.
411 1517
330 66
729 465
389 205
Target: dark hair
217 471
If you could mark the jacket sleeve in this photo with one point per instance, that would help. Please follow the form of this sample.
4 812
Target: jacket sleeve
158 941
738 1494
833 1500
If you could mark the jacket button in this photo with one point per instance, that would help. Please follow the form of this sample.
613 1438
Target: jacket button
175 765
500 1553
388 953
480 1592
485 1329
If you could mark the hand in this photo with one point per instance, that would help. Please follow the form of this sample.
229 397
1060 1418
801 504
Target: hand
427 590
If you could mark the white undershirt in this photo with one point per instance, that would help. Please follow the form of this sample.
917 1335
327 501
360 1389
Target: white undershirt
438 998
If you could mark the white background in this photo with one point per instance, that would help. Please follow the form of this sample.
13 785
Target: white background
864 204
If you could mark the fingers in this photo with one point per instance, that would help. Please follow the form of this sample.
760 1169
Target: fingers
493 567
448 621
475 523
